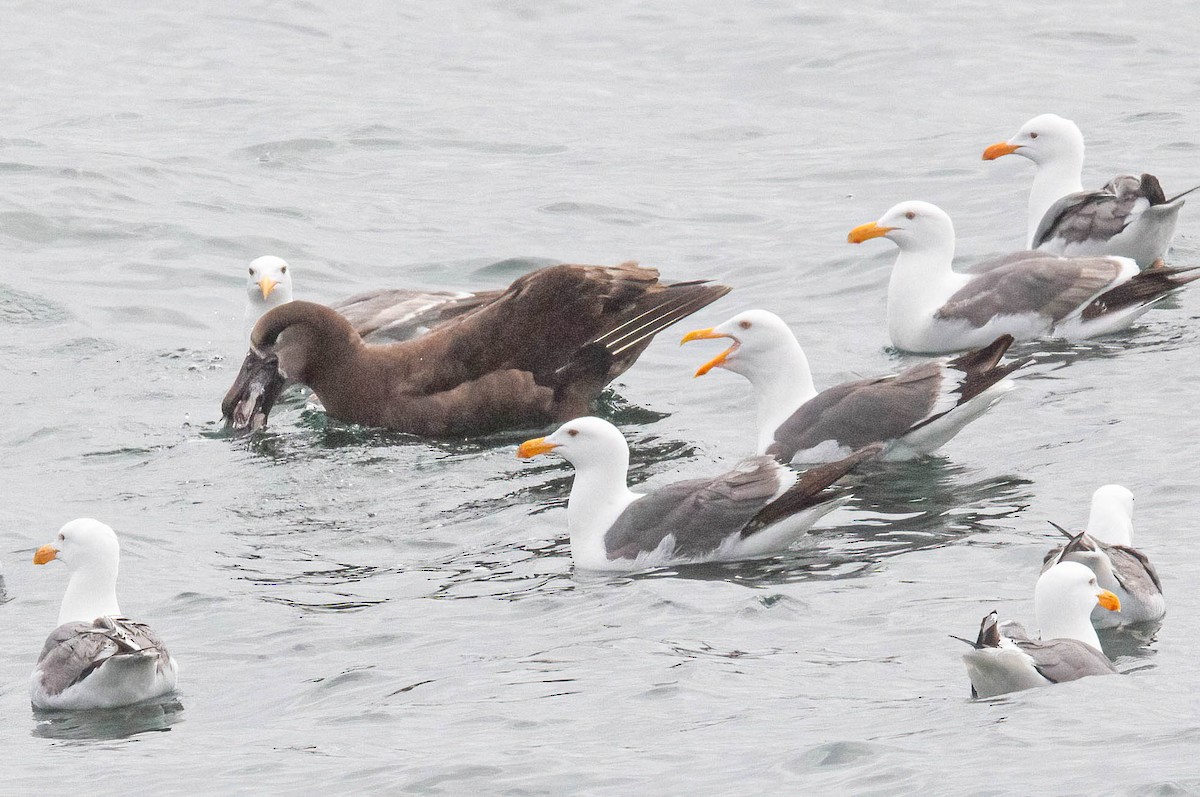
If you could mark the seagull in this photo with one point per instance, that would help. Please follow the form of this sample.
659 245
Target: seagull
1007 659
268 285
934 309
380 316
1130 216
755 510
96 658
1107 548
912 413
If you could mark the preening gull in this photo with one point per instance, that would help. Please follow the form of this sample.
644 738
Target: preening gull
537 353
1106 546
96 658
1130 216
934 309
912 412
757 509
1007 659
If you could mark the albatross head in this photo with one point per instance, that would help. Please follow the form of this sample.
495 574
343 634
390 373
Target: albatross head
1042 139
269 283
1063 601
1111 518
582 442
760 339
910 225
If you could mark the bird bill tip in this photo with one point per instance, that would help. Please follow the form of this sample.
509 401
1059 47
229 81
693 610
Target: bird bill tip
531 448
865 232
999 150
1109 601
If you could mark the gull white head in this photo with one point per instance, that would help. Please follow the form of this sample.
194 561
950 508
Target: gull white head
268 285
1063 601
913 226
1044 139
599 493
1111 518
584 442
92 554
766 352
762 342
1056 146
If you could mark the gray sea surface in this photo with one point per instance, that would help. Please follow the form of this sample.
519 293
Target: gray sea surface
361 611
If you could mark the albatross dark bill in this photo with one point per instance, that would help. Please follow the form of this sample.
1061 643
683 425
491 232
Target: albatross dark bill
536 353
254 392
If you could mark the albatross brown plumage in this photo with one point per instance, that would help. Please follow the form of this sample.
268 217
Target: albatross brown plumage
537 353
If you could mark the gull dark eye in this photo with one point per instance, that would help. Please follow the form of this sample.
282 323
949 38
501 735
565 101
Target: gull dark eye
1033 135
251 272
283 270
910 215
745 324
572 432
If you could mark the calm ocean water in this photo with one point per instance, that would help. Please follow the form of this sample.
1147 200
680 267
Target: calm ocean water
356 610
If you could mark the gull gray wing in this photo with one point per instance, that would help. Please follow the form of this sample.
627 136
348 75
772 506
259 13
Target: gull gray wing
1133 570
867 411
700 513
73 651
1089 215
861 412
1061 660
1051 287
1002 260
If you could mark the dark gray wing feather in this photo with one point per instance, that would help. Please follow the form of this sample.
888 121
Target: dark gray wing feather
867 411
1133 570
858 413
1061 660
73 651
701 513
1052 287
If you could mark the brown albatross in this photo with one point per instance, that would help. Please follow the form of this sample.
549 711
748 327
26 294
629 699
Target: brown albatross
539 352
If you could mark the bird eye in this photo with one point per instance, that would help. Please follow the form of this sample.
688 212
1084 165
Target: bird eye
572 432
61 538
1033 135
910 215
745 324
283 269
251 272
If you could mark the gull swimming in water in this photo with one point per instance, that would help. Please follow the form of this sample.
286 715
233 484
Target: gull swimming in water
1130 216
1106 546
932 308
757 509
1006 659
96 658
912 413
